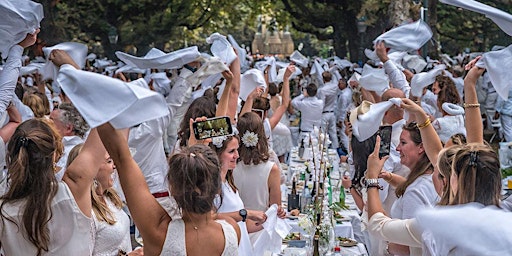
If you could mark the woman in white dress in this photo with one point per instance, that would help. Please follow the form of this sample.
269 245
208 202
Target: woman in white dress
194 176
111 222
231 204
39 215
257 178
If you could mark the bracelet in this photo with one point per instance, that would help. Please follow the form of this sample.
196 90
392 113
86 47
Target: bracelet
390 179
374 185
424 124
471 105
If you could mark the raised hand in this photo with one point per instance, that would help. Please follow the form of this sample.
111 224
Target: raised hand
29 40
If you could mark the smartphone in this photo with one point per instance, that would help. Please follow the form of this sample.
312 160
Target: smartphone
212 127
385 140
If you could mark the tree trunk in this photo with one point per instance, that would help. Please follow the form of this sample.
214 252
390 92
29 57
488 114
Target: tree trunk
433 50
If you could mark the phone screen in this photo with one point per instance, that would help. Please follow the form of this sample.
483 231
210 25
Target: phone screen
213 127
385 140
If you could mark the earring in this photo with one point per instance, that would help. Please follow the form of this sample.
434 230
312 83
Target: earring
95 183
54 167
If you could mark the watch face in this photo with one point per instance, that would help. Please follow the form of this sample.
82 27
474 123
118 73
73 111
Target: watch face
243 212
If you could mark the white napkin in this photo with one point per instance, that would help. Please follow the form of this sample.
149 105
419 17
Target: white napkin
160 60
19 18
280 74
102 99
250 80
316 71
409 37
453 109
212 66
342 63
414 62
367 124
77 52
30 68
242 54
498 65
469 229
101 63
274 230
424 79
299 59
161 83
374 79
130 69
501 18
221 48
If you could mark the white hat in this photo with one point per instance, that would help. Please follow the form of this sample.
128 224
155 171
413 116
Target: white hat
498 65
212 66
501 18
424 79
409 37
250 80
19 18
374 79
161 83
299 59
77 52
414 62
160 60
102 99
242 54
221 48
366 119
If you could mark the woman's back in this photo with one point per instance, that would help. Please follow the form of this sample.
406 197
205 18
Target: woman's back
216 238
71 232
252 181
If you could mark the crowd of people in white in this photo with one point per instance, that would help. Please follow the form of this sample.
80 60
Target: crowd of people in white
90 147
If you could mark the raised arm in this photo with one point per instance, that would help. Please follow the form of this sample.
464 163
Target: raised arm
276 117
250 99
81 172
7 130
474 126
235 89
222 107
397 77
150 218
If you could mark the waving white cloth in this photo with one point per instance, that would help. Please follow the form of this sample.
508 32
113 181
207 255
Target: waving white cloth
501 18
242 54
19 18
342 63
414 62
316 71
161 83
272 71
274 230
367 121
280 74
374 79
30 68
160 60
213 66
473 230
130 69
424 79
221 48
409 37
102 99
498 65
77 52
250 80
299 59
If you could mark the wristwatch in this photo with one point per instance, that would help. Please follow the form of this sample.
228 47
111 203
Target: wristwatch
243 213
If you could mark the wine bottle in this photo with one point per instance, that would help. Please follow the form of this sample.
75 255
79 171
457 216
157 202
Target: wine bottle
301 149
316 238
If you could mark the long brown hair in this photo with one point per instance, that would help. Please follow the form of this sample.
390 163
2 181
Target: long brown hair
444 165
30 160
229 176
202 106
251 122
421 167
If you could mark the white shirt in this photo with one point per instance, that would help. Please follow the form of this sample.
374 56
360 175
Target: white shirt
327 94
344 101
112 238
311 109
9 76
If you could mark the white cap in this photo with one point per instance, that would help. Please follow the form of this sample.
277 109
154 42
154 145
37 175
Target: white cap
299 59
160 60
367 118
374 79
19 18
498 65
408 37
250 80
501 18
424 79
102 99
77 52
221 48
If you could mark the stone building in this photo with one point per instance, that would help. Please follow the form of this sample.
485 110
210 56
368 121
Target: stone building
269 40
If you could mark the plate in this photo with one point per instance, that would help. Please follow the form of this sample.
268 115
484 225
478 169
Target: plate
299 160
346 242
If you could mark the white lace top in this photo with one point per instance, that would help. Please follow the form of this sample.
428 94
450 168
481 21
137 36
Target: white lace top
175 239
112 238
